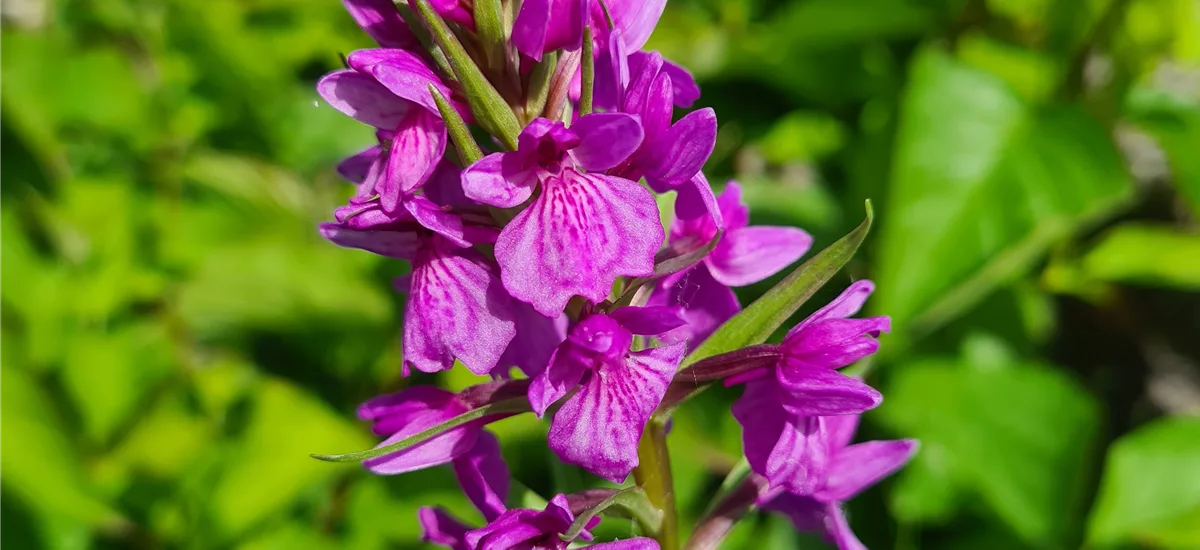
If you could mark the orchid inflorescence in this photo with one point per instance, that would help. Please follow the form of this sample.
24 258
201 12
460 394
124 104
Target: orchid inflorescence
536 246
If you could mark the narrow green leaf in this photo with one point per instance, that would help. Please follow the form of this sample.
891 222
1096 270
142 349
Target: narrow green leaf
631 500
539 85
514 405
467 148
589 73
489 26
666 267
757 322
490 109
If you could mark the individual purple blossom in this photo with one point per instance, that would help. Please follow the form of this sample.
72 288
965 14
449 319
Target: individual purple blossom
457 308
599 427
524 529
778 411
744 255
851 470
671 153
473 452
389 89
585 229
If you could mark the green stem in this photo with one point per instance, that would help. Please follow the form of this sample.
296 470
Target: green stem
589 73
653 474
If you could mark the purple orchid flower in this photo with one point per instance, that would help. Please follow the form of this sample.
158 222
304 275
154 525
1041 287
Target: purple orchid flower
600 426
851 470
543 26
634 21
389 89
381 20
456 307
584 230
745 255
473 452
671 153
778 411
526 529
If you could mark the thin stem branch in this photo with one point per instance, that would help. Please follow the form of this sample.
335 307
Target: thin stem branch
653 474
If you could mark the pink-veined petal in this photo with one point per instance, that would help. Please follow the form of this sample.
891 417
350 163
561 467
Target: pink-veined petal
750 254
600 426
416 151
362 98
432 217
583 232
561 376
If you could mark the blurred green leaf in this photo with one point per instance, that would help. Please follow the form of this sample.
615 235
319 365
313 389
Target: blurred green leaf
1146 254
1019 436
1150 492
41 466
1175 124
802 135
978 196
270 466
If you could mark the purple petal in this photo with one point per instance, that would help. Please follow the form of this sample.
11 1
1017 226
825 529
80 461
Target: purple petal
582 233
650 320
820 392
561 375
499 179
529 29
439 527
839 530
635 19
612 74
684 149
686 90
846 304
707 304
640 95
565 30
454 10
435 219
439 449
750 254
605 140
696 201
381 20
402 72
833 343
416 151
444 187
393 244
456 309
599 428
841 430
806 513
636 543
362 98
790 452
392 412
484 476
513 529
537 336
733 210
356 167
857 467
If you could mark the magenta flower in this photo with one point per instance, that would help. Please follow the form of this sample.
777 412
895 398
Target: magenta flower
389 89
600 426
745 255
634 21
381 20
456 306
473 452
533 530
781 436
543 26
585 229
851 470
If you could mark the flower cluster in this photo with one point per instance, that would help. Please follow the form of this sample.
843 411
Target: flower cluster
541 248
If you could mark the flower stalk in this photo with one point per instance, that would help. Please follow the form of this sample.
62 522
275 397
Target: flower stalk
653 475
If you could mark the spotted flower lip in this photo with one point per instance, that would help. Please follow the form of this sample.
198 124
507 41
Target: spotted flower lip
850 470
599 427
585 229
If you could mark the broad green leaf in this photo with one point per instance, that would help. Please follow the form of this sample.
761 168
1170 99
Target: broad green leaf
757 322
1175 124
1019 436
1157 255
982 185
1150 491
269 466
42 468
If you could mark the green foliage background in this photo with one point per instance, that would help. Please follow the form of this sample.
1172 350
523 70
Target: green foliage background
177 339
